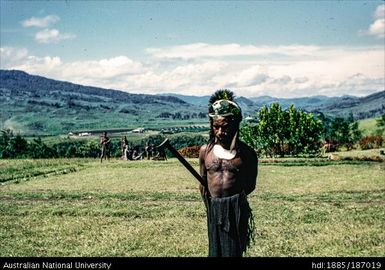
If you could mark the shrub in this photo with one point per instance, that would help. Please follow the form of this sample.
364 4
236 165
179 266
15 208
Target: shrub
371 142
190 151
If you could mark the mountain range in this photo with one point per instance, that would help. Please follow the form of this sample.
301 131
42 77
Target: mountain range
361 107
35 105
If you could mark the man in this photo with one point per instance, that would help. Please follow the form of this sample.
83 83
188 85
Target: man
105 143
124 147
229 169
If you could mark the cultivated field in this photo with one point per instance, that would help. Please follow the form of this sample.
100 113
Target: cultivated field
80 207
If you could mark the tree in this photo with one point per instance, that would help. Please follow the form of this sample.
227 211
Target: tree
344 132
18 146
310 135
38 149
12 146
6 135
278 128
293 118
264 131
249 135
283 132
381 123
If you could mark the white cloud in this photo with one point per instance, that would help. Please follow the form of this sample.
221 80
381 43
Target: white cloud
380 12
47 35
284 80
109 73
198 50
300 80
252 76
52 36
377 28
40 22
19 58
9 55
332 71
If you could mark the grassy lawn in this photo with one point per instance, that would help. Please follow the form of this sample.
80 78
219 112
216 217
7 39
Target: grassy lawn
81 207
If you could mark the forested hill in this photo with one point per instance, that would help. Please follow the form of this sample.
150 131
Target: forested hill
360 107
20 81
36 105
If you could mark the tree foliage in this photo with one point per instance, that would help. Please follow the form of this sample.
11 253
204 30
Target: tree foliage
284 132
279 132
381 124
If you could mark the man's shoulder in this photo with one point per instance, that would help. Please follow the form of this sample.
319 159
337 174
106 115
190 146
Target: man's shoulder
244 145
202 151
203 148
246 148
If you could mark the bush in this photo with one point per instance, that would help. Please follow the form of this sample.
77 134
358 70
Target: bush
190 151
371 142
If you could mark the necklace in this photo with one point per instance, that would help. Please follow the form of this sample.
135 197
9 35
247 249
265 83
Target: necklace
220 152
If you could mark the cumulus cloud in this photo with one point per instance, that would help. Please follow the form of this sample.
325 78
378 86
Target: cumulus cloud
252 76
48 35
52 36
116 72
10 56
332 71
19 58
377 28
40 22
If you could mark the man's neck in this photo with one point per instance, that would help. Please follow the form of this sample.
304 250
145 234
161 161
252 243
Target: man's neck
223 153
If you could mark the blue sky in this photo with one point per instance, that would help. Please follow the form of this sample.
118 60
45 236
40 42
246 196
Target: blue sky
276 48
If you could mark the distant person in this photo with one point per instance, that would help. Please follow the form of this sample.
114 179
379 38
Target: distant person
147 151
124 147
150 151
105 143
153 150
229 169
130 152
136 155
162 154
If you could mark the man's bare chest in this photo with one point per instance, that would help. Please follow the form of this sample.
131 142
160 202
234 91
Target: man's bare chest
214 164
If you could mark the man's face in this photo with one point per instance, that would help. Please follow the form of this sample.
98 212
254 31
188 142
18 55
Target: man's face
224 130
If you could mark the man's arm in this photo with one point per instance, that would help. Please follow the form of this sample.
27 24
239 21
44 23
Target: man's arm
202 169
251 167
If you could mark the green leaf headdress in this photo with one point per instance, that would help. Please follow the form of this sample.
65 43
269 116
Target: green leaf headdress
222 104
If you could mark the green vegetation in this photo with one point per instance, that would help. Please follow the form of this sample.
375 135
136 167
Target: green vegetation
79 207
369 127
16 146
295 132
277 132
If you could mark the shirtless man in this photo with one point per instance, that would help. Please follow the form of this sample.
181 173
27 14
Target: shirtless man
105 144
229 167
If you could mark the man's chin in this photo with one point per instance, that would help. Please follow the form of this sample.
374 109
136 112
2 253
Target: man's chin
224 142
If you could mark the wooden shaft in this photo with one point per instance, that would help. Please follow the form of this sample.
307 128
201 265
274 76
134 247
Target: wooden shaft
182 160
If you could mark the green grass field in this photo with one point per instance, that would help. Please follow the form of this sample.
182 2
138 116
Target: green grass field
369 127
80 207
